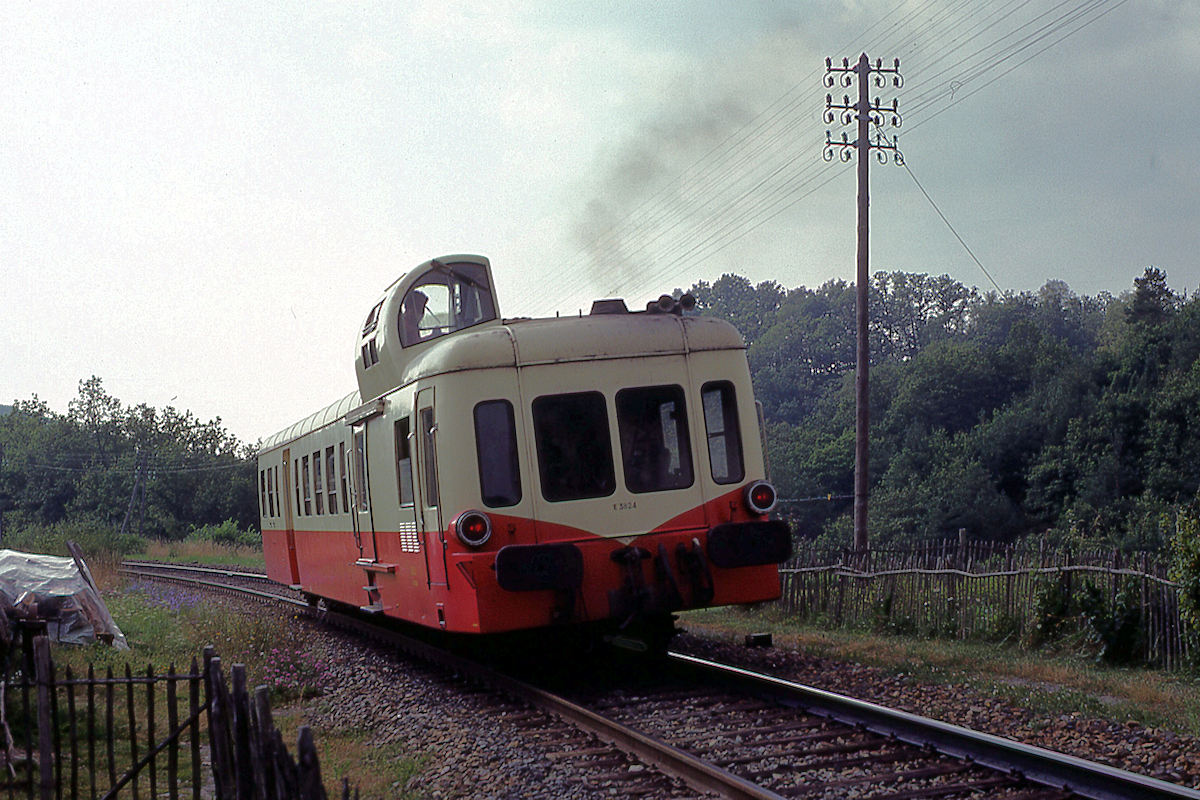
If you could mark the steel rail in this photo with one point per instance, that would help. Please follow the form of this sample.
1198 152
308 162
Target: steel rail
225 587
1039 765
698 774
203 570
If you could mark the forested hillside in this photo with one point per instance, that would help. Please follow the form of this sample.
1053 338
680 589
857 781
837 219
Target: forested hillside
1046 412
165 472
1035 412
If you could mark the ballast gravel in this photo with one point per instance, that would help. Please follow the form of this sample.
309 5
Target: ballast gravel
473 743
1159 753
476 745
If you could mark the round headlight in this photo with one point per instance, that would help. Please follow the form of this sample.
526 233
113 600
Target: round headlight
473 528
760 496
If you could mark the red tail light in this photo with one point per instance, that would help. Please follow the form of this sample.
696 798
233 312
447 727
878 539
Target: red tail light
760 497
473 528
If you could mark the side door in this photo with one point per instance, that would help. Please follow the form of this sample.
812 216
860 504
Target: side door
430 514
360 487
288 523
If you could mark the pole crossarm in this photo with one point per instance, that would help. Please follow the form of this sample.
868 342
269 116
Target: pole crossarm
874 112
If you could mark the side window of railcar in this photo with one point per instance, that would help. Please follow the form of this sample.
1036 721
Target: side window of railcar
318 484
724 438
429 459
304 469
331 480
273 491
404 474
573 446
496 452
655 449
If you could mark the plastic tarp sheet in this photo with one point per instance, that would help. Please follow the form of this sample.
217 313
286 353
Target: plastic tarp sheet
61 591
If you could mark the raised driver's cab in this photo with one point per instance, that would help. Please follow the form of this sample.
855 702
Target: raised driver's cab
440 297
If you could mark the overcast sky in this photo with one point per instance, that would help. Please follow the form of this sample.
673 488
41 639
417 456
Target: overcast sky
200 202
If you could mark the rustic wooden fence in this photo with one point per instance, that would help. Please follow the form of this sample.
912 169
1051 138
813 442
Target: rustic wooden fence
981 590
72 737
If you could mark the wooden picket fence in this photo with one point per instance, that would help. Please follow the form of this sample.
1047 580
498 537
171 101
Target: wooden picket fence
103 737
970 589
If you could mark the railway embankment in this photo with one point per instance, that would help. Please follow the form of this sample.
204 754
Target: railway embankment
403 730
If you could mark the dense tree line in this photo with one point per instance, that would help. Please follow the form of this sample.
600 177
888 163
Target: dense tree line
159 473
1005 414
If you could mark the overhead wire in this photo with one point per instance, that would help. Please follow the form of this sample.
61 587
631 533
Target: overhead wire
758 171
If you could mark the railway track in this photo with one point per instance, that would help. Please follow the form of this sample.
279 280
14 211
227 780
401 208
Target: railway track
733 733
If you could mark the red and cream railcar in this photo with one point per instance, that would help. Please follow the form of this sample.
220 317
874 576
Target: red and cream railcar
493 475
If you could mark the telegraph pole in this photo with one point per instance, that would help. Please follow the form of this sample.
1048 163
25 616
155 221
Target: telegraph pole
866 114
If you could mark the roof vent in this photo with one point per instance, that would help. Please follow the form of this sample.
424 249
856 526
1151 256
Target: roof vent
612 306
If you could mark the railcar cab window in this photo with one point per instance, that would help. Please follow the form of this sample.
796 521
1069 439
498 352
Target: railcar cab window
496 452
573 446
721 425
446 299
655 452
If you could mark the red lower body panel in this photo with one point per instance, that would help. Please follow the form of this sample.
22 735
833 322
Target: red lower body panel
470 599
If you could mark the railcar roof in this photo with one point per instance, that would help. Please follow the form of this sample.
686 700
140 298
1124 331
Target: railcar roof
326 416
529 342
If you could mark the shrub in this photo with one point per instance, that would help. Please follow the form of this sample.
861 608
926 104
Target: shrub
1185 570
227 533
98 540
1116 627
1053 609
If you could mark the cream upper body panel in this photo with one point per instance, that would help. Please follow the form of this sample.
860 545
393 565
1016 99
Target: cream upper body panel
528 343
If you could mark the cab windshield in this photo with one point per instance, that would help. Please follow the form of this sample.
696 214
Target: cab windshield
447 298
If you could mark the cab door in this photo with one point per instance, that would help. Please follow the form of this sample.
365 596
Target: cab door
430 516
362 517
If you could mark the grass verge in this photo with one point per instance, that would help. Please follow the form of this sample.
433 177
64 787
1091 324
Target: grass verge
169 625
1043 681
200 551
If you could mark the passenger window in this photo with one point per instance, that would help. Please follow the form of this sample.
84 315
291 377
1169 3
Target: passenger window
496 452
448 298
655 452
304 469
276 504
404 475
331 479
724 437
573 445
429 460
318 484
